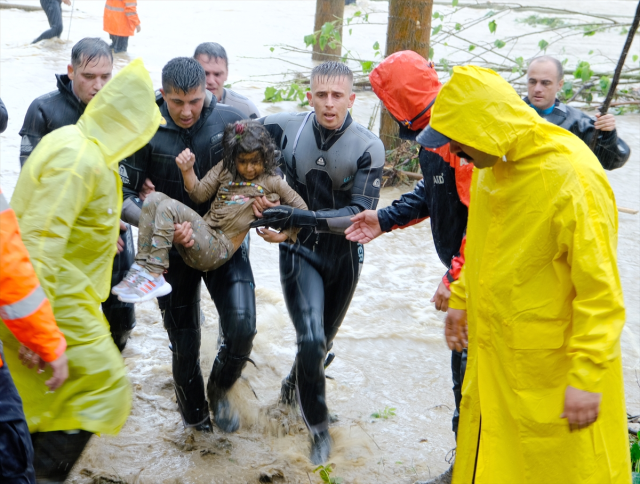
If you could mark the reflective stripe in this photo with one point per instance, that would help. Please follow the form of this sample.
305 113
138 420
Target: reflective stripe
115 9
129 14
4 205
130 4
24 307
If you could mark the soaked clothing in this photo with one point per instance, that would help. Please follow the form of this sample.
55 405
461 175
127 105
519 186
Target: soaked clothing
337 173
53 10
56 453
241 103
231 286
611 151
119 44
45 114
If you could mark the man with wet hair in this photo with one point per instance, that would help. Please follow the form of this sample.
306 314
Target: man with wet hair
196 121
545 78
213 59
90 69
335 164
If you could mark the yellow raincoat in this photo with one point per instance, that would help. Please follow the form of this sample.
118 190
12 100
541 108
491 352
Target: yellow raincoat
542 293
68 201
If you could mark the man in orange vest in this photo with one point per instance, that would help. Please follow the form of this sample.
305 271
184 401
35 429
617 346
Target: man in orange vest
26 311
120 20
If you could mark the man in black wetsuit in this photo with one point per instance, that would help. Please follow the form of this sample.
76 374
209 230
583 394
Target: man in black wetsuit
545 77
90 69
53 10
442 194
194 120
336 166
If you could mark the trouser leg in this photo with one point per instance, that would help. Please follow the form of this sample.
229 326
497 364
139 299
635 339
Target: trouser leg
55 453
458 367
303 291
53 10
120 315
233 292
16 450
147 226
181 314
120 44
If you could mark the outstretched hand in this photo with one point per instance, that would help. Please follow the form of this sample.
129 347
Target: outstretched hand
456 330
185 160
365 227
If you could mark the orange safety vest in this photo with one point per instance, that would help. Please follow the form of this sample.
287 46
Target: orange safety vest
121 17
24 308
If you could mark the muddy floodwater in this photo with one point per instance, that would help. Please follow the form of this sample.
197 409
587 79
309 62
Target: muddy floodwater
390 352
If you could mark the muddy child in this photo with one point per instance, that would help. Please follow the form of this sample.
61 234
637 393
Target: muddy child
247 172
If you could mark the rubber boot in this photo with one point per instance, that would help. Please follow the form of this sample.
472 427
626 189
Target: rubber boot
226 370
320 447
288 389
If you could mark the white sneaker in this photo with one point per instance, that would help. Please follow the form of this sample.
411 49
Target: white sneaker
145 287
128 280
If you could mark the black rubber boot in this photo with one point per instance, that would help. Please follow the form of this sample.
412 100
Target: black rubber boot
226 370
320 448
288 390
225 415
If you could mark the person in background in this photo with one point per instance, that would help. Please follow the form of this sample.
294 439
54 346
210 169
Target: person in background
545 78
4 117
213 59
27 313
120 22
53 9
90 69
68 200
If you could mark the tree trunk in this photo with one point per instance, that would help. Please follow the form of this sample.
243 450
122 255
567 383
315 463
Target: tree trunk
328 11
409 28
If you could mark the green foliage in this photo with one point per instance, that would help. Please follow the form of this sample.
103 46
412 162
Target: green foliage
567 91
635 456
293 93
590 30
499 43
325 474
385 414
493 26
454 3
543 44
583 71
604 84
550 22
458 26
635 58
432 52
436 29
471 47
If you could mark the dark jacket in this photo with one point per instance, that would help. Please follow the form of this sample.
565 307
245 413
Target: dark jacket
4 117
48 112
435 196
157 160
611 151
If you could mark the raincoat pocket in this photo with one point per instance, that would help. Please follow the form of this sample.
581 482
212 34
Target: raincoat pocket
537 353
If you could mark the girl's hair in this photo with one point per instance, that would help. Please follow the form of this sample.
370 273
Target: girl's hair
248 137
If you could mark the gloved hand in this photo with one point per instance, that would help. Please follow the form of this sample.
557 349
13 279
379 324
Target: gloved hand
284 217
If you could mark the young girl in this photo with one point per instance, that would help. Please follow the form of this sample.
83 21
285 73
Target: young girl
248 171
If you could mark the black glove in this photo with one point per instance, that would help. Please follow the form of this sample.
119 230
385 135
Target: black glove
284 217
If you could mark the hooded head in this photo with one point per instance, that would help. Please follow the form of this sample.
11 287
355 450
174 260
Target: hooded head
407 84
123 116
478 108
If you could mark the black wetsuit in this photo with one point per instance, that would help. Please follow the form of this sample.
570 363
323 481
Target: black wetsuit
45 114
610 150
337 173
231 286
435 196
53 10
4 117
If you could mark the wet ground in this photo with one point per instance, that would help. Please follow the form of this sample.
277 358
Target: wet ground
390 350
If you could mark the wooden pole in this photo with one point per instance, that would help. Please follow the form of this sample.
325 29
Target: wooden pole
616 75
327 11
409 28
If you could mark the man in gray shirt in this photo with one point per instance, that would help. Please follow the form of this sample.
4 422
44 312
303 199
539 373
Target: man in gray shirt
213 58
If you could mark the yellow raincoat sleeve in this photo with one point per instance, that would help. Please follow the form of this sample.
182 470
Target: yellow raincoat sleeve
59 197
458 298
589 235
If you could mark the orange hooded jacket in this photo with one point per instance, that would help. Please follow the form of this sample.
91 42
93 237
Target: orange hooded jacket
121 17
24 308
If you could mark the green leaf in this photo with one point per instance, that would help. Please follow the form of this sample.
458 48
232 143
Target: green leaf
583 71
376 46
436 30
332 45
635 58
269 94
309 39
327 29
515 69
543 45
436 15
366 17
336 36
323 42
454 3
367 66
458 26
635 452
604 83
471 47
520 61
271 49
350 31
493 26
564 62
377 53
624 30
431 52
590 52
499 43
589 33
357 14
